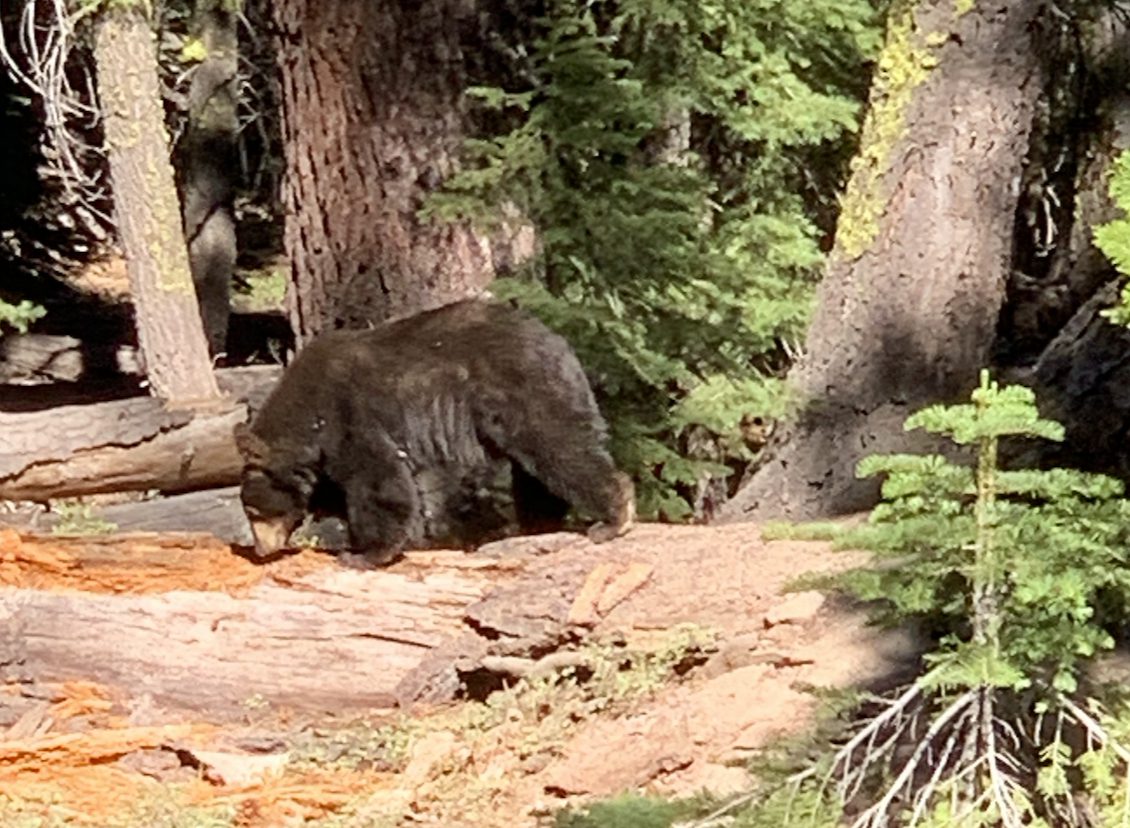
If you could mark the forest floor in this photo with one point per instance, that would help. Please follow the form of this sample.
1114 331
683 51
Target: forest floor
703 658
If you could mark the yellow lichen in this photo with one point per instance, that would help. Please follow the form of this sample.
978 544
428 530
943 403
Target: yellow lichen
907 58
194 51
961 7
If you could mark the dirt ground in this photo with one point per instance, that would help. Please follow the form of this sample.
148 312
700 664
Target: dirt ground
727 662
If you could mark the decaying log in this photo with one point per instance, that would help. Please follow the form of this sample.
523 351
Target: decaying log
196 627
40 358
215 512
184 623
127 445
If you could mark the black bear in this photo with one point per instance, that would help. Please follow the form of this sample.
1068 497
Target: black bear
397 426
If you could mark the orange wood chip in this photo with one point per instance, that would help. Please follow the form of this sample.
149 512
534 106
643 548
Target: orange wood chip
604 588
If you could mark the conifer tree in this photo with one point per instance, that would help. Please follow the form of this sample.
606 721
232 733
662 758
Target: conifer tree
666 155
1022 571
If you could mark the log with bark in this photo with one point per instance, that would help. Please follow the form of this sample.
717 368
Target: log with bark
216 512
184 623
128 445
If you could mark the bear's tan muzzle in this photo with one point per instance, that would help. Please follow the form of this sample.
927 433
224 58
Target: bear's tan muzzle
271 535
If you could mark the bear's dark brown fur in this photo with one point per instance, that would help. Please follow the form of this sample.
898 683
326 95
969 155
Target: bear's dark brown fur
399 425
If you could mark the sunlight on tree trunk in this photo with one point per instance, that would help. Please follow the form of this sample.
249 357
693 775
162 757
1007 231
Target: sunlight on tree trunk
908 308
148 211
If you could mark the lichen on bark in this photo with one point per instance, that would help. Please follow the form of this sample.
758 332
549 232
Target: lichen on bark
905 63
147 208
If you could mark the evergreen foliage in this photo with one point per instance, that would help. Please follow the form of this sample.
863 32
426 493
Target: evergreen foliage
1024 571
1012 563
623 812
1113 238
673 157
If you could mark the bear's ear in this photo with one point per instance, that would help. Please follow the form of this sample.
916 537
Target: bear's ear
251 446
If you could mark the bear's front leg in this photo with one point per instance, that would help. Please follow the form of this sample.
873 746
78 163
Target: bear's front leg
383 508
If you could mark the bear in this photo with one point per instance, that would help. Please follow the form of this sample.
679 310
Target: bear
397 428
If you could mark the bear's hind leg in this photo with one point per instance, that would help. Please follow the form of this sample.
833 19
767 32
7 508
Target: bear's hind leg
566 454
537 508
586 477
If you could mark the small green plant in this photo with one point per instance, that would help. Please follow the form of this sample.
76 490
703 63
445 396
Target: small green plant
531 718
1022 570
621 675
21 315
77 518
386 746
628 811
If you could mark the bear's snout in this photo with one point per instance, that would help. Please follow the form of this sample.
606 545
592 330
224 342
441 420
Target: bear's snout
271 534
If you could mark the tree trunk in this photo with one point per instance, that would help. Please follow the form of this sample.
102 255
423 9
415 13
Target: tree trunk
148 212
127 445
1080 125
372 122
208 165
908 308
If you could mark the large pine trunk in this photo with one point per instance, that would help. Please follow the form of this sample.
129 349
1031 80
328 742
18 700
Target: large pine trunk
372 121
148 210
909 306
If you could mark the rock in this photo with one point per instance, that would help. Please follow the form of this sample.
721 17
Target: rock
734 654
795 609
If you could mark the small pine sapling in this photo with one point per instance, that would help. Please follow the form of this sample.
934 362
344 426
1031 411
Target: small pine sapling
1021 570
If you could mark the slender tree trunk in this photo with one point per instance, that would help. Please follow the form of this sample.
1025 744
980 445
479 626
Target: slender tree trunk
148 211
908 309
372 121
209 166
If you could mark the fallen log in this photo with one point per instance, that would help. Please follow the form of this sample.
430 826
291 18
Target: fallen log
128 445
180 623
215 512
182 620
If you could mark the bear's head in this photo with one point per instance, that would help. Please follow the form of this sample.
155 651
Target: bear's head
275 491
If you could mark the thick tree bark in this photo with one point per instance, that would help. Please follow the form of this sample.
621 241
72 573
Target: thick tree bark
1081 124
208 165
1082 375
148 211
908 308
372 122
127 445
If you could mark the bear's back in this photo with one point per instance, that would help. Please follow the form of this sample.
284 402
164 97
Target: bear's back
420 379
